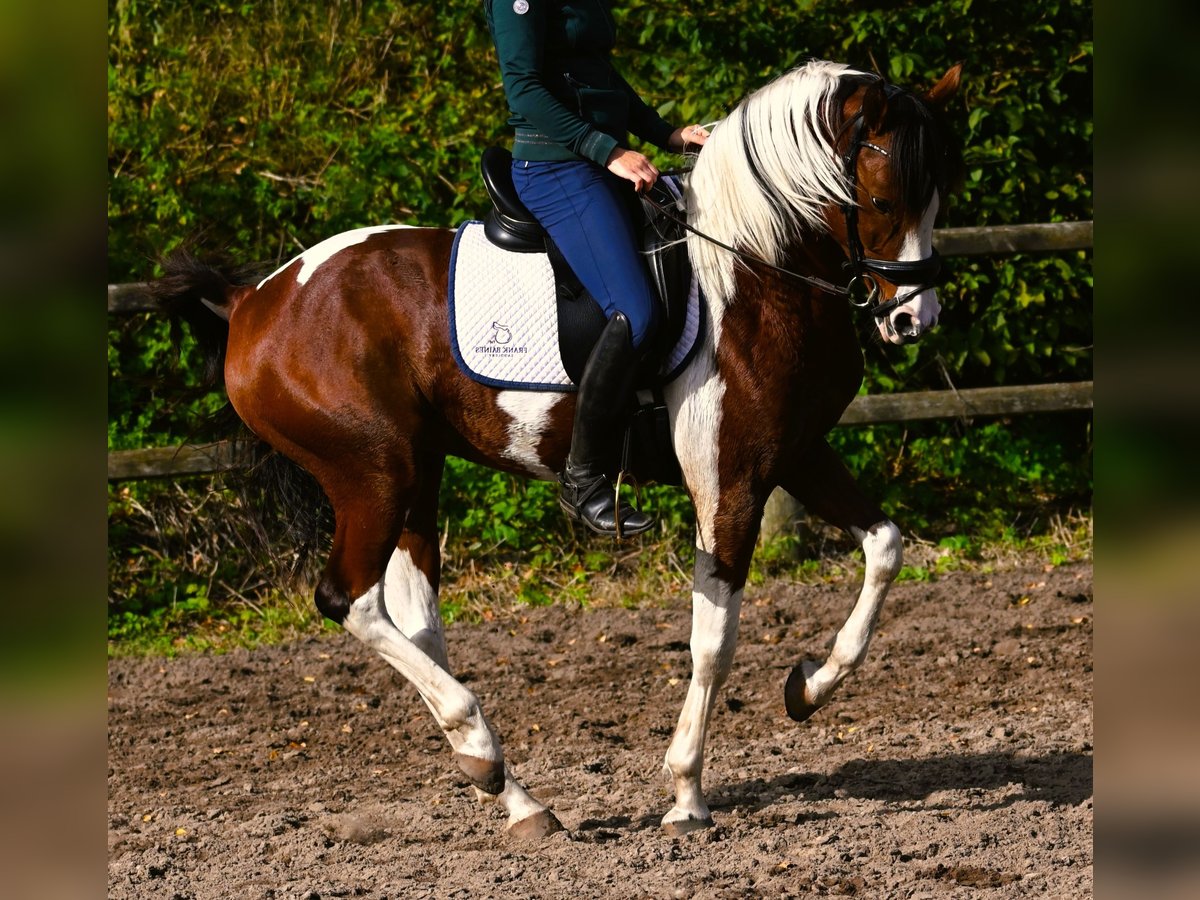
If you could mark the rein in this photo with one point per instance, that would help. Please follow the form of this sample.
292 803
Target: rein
862 290
743 255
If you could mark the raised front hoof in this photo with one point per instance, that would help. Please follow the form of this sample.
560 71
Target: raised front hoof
540 825
680 827
795 696
485 774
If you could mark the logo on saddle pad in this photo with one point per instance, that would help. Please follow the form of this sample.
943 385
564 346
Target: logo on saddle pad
500 341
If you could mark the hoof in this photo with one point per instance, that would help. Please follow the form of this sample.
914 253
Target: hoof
795 697
486 775
540 825
685 826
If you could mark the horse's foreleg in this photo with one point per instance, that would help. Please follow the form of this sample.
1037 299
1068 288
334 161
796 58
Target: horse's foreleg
720 575
828 490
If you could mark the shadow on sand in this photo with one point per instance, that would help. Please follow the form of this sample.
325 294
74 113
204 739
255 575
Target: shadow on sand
1063 779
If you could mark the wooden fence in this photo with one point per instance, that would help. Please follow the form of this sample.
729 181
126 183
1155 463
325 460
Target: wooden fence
164 462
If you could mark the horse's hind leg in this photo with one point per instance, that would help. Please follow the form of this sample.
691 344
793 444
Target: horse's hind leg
410 593
410 584
828 490
370 510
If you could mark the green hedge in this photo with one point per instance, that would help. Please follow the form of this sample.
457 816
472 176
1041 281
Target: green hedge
268 126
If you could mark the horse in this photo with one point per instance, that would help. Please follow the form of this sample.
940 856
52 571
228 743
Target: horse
340 360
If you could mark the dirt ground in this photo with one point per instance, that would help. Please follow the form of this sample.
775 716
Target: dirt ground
956 762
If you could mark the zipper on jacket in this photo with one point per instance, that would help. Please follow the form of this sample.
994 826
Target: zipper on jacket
576 85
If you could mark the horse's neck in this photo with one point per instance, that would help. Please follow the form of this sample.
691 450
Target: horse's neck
792 336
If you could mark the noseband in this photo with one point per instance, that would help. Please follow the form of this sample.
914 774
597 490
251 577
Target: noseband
863 289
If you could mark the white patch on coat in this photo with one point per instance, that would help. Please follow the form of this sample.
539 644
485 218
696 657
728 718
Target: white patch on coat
694 404
529 413
918 244
312 258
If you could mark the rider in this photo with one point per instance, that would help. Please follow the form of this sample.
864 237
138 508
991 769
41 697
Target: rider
572 111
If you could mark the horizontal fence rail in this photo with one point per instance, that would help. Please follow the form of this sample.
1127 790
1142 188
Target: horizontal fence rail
125 299
190 459
207 459
995 240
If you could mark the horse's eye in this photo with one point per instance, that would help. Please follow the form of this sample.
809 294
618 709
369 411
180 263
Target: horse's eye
884 206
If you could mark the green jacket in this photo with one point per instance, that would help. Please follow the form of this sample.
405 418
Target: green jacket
567 100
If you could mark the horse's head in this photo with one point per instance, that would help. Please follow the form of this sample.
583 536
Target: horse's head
899 161
828 150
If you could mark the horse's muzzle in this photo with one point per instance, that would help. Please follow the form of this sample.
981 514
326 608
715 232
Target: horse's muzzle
906 325
911 321
901 328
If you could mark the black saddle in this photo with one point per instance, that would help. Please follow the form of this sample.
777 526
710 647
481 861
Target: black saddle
508 224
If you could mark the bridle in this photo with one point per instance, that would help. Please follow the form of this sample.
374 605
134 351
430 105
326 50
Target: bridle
862 290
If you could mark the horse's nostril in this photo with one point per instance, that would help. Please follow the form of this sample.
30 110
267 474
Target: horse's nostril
906 325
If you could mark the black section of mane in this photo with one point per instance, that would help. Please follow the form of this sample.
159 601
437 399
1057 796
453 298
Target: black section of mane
925 153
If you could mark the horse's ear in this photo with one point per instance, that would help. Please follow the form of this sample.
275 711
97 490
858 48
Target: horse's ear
874 104
947 87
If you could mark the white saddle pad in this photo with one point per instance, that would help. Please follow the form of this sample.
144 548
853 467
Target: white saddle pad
504 318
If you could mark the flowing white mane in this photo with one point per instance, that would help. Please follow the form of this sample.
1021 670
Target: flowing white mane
766 172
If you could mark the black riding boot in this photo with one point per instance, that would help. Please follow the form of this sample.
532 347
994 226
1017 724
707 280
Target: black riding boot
586 494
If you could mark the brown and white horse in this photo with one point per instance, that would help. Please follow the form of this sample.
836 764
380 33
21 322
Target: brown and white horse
341 360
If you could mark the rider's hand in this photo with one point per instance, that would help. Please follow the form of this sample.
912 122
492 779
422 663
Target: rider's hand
632 166
680 138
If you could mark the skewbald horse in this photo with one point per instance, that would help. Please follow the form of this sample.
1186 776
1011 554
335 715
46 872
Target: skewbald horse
341 361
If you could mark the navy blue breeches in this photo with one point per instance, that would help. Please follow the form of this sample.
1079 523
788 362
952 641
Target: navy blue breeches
585 211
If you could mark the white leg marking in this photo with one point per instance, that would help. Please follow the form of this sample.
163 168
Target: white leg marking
884 553
412 604
515 800
530 415
455 708
314 256
694 401
715 611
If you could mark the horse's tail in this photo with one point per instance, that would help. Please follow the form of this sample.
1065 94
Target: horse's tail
284 505
204 296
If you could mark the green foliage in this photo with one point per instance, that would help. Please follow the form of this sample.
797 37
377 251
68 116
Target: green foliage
996 480
266 127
